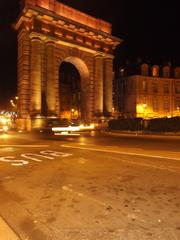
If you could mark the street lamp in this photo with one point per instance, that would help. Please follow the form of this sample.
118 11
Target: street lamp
13 102
72 113
141 109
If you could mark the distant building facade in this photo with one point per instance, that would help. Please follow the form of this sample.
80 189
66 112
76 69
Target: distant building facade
152 92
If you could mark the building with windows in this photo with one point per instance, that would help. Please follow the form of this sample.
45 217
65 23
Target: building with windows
152 92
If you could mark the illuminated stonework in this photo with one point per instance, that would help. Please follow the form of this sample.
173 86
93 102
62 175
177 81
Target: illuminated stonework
50 33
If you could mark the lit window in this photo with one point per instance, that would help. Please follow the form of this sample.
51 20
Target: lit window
166 105
144 69
155 105
155 71
166 87
177 103
166 71
144 85
155 87
177 87
177 72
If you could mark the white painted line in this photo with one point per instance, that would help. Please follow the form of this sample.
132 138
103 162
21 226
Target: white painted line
6 232
168 168
55 153
25 146
46 154
33 156
124 153
13 161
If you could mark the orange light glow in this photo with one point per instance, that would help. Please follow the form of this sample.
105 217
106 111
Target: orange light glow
73 14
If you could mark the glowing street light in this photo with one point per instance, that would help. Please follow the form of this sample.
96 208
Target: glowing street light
141 109
13 102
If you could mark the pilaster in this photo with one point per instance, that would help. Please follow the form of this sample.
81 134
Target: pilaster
108 79
98 103
50 78
23 74
35 76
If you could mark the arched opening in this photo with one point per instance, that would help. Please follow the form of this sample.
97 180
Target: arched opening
74 89
70 91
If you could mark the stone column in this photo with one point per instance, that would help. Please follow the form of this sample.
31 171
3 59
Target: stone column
50 78
98 96
23 81
23 74
108 82
36 69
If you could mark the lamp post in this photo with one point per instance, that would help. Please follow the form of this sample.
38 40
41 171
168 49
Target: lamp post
72 113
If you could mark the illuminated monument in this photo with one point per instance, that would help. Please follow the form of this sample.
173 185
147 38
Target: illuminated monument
52 38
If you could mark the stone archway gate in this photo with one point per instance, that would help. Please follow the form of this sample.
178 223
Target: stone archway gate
50 32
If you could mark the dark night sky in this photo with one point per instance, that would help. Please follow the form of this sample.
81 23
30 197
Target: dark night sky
150 30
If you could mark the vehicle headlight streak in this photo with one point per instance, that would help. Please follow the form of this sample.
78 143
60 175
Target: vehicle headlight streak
66 129
84 127
5 128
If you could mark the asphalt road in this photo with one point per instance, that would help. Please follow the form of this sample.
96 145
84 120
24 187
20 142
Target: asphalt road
95 186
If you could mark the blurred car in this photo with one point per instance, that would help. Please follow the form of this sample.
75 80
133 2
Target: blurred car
7 123
3 125
65 127
56 126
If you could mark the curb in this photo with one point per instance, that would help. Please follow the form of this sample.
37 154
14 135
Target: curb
140 133
6 232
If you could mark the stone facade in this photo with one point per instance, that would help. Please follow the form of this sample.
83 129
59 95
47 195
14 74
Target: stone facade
50 33
153 93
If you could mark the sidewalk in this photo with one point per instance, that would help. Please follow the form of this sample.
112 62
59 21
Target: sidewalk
104 127
6 233
141 133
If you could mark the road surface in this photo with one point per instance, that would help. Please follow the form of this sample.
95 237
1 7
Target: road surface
95 186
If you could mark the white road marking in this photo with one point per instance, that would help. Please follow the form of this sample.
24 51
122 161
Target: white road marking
7 149
169 168
32 156
13 161
55 153
25 146
119 152
16 164
46 154
6 232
